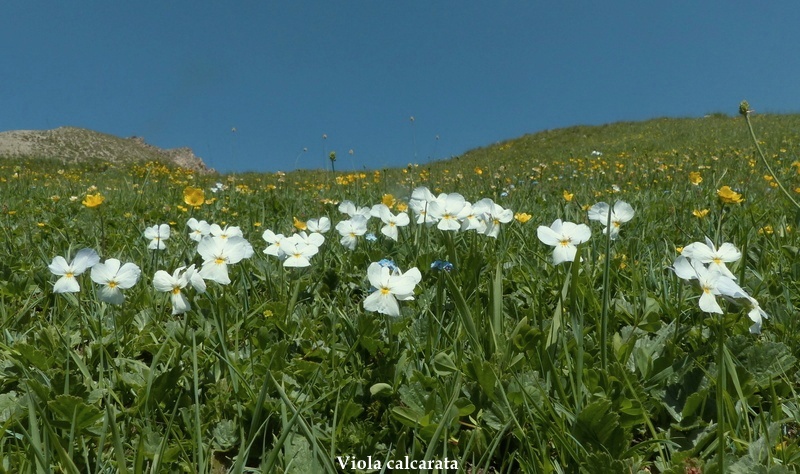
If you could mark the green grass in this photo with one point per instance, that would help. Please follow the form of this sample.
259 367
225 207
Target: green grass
498 364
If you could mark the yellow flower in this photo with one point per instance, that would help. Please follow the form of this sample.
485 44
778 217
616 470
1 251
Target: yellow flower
522 217
478 171
256 224
388 200
729 196
401 207
194 196
767 229
93 200
700 213
300 225
679 249
568 196
695 178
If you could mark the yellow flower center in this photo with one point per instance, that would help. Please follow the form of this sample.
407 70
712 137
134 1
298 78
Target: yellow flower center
384 291
69 275
112 284
176 290
564 242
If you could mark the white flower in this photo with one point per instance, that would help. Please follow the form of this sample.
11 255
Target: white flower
199 229
420 201
448 210
84 259
757 315
321 225
493 215
391 221
275 241
114 278
711 282
218 187
218 253
351 210
621 213
157 235
227 232
389 287
714 257
351 229
298 253
315 238
564 237
163 281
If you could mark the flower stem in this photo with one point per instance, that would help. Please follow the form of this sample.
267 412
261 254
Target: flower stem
721 395
764 160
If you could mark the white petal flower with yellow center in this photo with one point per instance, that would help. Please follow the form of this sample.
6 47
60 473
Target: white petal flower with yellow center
389 287
218 253
620 214
715 257
84 259
565 237
113 278
157 235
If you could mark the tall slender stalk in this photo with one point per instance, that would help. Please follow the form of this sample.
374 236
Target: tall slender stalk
744 110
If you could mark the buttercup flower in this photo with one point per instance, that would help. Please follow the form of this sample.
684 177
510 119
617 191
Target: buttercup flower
298 224
93 200
194 196
114 278
564 236
522 217
695 178
729 196
390 286
621 213
157 235
84 259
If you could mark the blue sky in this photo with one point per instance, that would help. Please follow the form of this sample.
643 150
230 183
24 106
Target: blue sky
471 73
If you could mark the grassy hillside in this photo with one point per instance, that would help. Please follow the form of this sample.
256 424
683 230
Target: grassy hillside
480 344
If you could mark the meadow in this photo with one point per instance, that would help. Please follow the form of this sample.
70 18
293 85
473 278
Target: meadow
363 338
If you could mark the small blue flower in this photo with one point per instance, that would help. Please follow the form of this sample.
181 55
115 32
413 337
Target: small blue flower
371 237
442 265
389 264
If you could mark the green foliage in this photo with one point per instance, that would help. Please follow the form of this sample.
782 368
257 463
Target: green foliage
499 363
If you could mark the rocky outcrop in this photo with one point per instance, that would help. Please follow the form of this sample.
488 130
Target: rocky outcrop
71 144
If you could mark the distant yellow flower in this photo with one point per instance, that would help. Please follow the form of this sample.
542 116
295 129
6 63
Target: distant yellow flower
478 171
93 200
679 249
256 224
767 229
299 225
401 207
729 196
522 217
41 224
567 196
700 213
695 178
796 164
194 196
388 200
